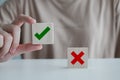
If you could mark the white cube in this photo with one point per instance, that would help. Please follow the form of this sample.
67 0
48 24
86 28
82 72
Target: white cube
77 57
43 33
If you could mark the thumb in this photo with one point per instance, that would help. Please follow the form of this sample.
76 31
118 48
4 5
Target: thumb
22 19
23 48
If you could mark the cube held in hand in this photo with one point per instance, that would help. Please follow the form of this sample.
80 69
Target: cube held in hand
43 33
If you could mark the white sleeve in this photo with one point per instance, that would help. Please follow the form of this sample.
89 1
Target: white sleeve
9 10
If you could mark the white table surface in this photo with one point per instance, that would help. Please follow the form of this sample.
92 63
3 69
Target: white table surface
56 69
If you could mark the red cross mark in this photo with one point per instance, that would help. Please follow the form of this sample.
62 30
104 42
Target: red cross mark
77 58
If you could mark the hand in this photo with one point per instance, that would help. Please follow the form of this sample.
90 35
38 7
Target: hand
10 34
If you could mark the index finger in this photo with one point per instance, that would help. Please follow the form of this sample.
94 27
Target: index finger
22 19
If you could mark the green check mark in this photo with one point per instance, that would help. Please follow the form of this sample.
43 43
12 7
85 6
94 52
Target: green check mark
39 36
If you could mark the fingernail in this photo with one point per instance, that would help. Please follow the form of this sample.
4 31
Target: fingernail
34 21
40 47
